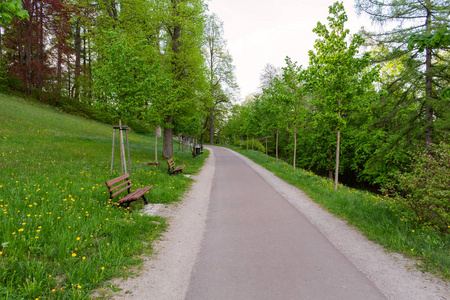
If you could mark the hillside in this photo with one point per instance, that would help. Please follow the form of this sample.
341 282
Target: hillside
61 237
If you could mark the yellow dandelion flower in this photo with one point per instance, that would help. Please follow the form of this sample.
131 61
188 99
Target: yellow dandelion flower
74 254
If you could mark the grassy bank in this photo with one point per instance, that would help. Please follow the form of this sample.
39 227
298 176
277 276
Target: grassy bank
60 237
376 216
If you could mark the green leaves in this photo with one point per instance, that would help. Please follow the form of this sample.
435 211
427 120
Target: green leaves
336 73
425 190
441 38
10 9
124 80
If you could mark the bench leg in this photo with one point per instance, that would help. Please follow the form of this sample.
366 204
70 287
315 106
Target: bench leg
145 200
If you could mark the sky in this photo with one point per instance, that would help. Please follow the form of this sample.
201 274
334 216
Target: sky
260 32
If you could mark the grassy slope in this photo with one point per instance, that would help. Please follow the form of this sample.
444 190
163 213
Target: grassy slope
60 237
377 217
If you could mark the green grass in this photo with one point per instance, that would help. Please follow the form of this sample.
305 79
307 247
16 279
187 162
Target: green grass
60 236
376 216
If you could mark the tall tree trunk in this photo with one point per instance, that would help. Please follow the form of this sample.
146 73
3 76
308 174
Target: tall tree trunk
69 83
28 60
276 147
428 84
59 67
338 145
336 174
77 59
211 126
167 140
295 146
40 54
1 47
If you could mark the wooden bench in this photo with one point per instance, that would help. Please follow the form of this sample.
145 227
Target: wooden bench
124 184
172 169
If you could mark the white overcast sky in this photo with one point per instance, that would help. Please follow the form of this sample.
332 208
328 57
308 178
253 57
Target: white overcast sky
259 32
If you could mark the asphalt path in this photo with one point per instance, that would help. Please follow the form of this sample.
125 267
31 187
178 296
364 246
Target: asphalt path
256 245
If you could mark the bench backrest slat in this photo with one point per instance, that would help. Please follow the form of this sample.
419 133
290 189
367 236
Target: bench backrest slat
123 182
122 190
171 163
113 188
116 180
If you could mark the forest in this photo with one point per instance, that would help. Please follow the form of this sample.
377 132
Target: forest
371 110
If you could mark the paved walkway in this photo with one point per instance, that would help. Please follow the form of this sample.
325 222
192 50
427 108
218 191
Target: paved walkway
258 246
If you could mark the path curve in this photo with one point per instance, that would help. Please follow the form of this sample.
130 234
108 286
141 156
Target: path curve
170 275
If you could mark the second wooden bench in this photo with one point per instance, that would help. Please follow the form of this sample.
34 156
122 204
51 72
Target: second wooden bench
172 169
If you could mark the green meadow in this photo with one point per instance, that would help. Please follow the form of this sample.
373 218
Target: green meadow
60 235
377 217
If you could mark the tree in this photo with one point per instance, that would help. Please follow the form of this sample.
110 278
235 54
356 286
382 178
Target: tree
124 80
336 73
220 71
183 21
425 73
294 96
271 102
268 75
8 10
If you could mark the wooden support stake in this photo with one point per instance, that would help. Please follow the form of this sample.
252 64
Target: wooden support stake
128 150
123 163
156 145
112 159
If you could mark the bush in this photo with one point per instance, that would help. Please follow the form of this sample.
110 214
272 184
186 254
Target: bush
425 190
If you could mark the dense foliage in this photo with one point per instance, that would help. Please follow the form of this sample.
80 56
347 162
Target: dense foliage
139 59
360 115
425 189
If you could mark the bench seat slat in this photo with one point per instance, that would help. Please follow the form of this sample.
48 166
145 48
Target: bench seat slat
179 168
135 195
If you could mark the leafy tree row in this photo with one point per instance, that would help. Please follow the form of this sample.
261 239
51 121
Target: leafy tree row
162 62
359 115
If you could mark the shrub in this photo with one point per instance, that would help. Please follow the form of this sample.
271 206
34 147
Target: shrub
425 190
